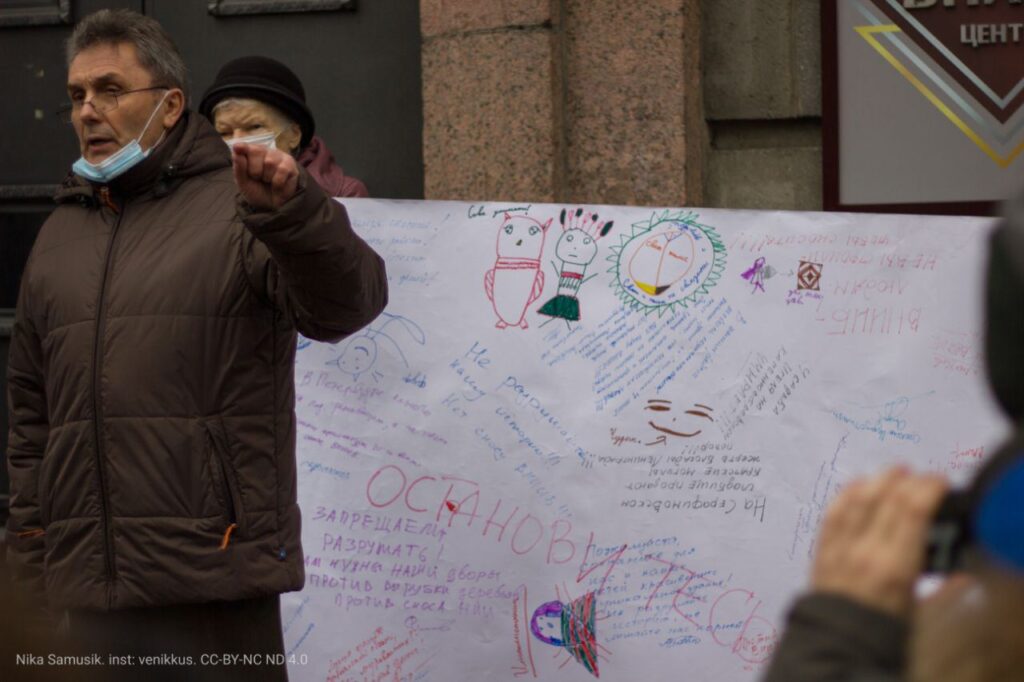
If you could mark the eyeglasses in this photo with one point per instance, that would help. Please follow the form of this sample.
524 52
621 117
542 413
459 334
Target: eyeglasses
101 102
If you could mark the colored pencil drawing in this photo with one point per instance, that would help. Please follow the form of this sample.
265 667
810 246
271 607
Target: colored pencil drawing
576 249
663 423
666 421
808 276
571 627
757 274
359 353
667 262
516 280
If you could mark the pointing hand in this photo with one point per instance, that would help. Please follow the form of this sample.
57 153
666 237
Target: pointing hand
267 178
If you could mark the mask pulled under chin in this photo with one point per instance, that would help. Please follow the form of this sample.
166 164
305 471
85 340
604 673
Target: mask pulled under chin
112 166
120 161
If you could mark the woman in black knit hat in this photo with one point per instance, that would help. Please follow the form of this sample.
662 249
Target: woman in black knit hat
259 100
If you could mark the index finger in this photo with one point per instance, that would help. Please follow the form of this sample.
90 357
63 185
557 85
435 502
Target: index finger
239 164
256 157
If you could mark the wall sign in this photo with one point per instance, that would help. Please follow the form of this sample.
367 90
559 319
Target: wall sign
923 104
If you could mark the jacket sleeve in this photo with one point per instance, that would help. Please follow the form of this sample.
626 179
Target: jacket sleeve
830 638
354 187
306 260
26 443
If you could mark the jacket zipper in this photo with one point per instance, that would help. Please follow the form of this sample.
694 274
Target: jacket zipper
108 531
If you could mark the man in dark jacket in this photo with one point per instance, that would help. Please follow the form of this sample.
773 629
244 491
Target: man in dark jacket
151 393
860 622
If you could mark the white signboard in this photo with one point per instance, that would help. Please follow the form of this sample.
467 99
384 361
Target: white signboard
598 441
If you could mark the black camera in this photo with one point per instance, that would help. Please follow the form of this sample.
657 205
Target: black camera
950 534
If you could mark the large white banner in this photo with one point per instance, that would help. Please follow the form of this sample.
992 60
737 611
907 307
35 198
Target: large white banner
593 441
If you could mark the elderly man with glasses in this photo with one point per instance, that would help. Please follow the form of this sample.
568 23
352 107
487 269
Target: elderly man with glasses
152 444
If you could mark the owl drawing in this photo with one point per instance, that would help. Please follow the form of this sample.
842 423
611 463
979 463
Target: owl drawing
516 279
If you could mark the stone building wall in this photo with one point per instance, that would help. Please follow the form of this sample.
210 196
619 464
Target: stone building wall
762 94
660 102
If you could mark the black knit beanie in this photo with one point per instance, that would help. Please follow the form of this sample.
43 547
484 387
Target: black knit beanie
264 80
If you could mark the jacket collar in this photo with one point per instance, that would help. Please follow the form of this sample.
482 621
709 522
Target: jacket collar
190 148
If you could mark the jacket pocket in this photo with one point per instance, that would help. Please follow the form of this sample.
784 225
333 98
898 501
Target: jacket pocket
43 487
225 480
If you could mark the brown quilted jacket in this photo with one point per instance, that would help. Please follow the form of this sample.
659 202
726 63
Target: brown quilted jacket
152 443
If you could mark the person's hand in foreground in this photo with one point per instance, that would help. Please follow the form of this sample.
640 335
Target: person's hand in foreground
872 544
267 178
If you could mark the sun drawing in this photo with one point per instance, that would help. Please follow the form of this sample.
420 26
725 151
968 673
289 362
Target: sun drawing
668 261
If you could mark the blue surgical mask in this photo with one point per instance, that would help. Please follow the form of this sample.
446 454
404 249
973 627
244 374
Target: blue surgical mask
265 140
120 161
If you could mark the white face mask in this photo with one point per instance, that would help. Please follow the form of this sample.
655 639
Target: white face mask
264 140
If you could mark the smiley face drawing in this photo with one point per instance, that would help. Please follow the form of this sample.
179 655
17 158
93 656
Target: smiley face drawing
686 424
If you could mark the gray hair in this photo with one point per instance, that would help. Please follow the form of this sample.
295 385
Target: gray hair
279 118
156 51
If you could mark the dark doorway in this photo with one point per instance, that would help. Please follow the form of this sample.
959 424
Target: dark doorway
358 59
360 68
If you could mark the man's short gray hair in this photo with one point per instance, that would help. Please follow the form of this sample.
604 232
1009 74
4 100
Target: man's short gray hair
154 47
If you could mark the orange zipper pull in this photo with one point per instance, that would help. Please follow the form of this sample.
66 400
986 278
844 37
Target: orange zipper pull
108 200
227 536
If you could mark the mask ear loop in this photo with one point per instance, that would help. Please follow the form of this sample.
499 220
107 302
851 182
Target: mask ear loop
150 120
